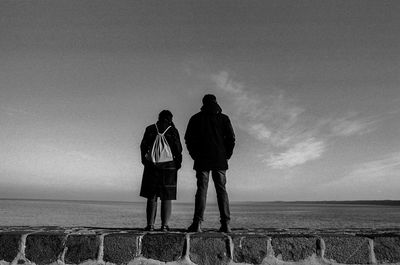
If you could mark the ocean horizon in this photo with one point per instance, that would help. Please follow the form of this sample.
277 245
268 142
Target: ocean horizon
374 202
272 214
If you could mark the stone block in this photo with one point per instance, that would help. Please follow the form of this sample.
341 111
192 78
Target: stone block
294 248
81 248
387 249
9 246
120 248
163 247
44 248
209 249
347 249
250 249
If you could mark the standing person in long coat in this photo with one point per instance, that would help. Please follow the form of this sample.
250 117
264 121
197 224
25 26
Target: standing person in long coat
160 180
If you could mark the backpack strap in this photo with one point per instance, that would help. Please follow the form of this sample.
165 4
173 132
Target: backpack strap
166 130
156 128
159 131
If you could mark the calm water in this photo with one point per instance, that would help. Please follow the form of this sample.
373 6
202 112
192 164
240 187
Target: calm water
244 215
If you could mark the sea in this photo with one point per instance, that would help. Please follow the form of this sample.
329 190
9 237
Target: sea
279 215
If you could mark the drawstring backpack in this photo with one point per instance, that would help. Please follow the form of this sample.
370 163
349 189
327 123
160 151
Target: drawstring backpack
160 152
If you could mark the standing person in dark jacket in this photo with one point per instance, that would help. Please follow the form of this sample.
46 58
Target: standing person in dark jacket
210 141
160 180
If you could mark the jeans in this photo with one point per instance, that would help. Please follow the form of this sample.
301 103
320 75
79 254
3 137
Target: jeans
219 178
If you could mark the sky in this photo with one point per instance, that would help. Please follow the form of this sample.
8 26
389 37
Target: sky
312 89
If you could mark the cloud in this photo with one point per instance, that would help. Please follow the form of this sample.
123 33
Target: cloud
223 82
374 179
351 125
300 153
275 120
272 118
260 131
382 168
291 135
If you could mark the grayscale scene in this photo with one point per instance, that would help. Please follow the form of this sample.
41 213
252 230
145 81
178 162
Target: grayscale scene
294 104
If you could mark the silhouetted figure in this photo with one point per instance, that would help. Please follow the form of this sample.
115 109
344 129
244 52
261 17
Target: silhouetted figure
160 178
210 141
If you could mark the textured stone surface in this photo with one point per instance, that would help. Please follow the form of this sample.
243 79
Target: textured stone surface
9 245
294 248
387 249
347 249
250 249
163 247
44 248
209 249
81 248
120 248
347 246
320 247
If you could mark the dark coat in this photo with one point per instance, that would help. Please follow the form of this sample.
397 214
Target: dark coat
210 138
160 180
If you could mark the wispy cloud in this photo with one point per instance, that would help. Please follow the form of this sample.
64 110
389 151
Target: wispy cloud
260 131
351 125
381 168
300 153
273 118
293 137
378 179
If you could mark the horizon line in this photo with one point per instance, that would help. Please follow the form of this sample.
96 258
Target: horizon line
384 201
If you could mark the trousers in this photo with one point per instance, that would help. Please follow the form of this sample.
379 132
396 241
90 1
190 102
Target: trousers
151 211
219 178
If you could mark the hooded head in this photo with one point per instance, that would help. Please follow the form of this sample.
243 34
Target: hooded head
210 104
165 116
208 99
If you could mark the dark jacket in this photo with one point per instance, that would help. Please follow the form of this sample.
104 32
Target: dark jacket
210 138
160 180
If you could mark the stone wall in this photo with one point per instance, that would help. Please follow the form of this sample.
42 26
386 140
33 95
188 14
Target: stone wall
54 245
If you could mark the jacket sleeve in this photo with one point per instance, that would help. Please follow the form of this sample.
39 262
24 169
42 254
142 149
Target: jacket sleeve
177 149
144 146
229 138
191 139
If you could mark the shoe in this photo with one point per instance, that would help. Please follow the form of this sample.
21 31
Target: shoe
149 228
225 229
195 227
164 228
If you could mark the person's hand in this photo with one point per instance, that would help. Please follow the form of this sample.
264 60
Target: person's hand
193 156
178 164
147 163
